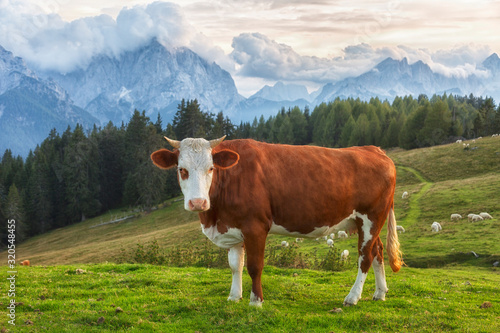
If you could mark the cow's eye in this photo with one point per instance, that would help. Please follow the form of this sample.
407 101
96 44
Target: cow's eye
211 170
183 173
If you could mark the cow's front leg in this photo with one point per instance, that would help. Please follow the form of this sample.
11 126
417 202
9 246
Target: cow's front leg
236 257
255 243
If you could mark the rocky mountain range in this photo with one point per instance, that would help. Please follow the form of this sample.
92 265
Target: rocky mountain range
30 106
155 78
152 78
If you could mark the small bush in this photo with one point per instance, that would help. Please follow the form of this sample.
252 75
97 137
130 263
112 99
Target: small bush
208 255
289 257
198 256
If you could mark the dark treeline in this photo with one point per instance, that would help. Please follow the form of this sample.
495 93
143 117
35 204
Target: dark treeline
407 122
76 175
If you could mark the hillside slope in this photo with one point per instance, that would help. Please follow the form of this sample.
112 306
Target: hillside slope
454 181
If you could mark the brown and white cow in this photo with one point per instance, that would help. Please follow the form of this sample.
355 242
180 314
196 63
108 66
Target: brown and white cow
245 190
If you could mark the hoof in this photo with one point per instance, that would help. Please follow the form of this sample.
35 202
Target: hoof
255 301
234 298
350 301
379 295
256 304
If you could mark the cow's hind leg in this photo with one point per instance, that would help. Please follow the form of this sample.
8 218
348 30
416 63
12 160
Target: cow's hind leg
236 258
365 244
378 268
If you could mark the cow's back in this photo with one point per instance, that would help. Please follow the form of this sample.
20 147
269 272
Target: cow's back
301 187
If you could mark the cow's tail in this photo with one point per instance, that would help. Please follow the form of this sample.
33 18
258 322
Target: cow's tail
392 245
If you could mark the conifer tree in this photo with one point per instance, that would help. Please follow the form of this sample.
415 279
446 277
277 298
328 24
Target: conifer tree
347 131
15 211
81 176
285 134
409 135
360 135
391 136
299 126
110 161
437 125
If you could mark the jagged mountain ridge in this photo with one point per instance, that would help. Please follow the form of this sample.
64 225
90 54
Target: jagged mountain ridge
152 78
391 78
283 92
31 107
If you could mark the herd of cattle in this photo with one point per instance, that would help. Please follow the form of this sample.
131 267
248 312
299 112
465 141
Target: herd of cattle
436 226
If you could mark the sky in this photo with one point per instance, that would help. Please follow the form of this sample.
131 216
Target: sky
259 41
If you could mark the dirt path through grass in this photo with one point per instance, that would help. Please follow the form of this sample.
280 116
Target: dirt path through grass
414 211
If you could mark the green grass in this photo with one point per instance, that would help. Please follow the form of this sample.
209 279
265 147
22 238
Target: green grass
163 299
451 161
441 289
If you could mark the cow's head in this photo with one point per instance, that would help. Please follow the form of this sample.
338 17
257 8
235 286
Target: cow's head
195 163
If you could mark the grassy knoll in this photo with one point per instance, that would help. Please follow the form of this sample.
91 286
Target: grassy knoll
163 299
442 288
452 161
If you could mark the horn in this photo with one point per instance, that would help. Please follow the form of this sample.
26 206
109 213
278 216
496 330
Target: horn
173 143
214 143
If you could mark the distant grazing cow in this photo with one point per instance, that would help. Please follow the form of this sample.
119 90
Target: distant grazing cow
436 227
329 242
485 216
455 217
405 195
344 255
25 263
476 218
245 190
342 234
400 228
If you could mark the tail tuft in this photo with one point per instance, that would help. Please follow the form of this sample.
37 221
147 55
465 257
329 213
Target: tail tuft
395 255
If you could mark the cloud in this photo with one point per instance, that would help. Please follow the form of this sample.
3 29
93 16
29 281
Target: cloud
259 56
48 42
39 35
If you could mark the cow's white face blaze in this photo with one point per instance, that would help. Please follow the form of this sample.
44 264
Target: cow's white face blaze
195 163
195 172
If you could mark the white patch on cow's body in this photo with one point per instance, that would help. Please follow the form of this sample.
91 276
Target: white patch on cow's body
255 301
236 258
346 224
366 227
227 240
355 294
380 283
196 157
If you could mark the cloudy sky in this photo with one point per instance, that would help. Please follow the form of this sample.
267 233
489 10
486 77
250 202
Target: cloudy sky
260 41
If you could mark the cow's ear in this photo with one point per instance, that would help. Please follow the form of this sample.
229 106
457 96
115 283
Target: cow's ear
165 159
225 159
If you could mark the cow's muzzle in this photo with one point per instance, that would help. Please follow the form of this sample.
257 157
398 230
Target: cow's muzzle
198 205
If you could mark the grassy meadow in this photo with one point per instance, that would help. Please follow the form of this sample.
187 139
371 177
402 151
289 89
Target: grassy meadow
444 287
